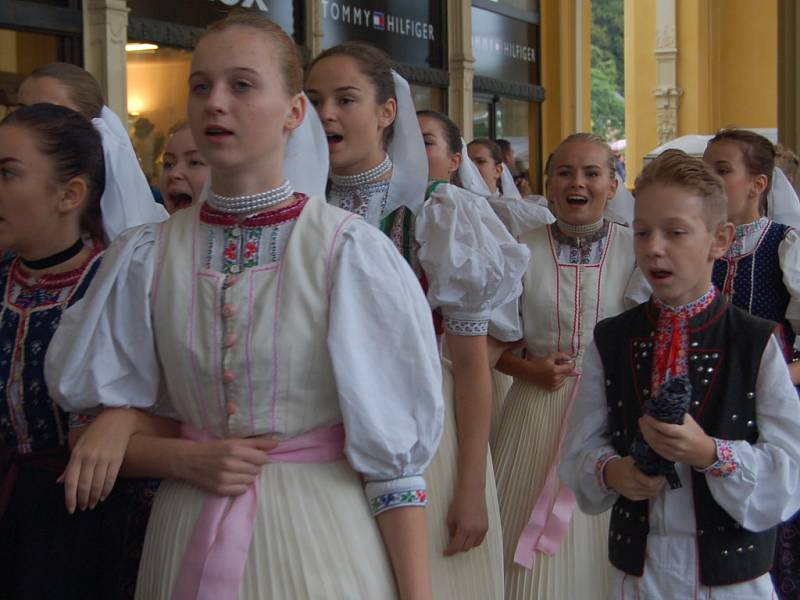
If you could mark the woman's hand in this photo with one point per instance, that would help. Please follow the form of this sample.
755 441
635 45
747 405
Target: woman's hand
467 521
622 476
96 458
551 372
225 467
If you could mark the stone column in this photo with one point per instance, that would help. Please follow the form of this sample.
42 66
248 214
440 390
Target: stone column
462 65
667 91
314 32
105 32
788 74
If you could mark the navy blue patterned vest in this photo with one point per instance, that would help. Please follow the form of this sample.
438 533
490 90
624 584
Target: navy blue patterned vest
725 349
754 281
29 419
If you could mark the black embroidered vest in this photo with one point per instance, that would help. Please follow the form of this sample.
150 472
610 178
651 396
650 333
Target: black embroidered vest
754 281
725 349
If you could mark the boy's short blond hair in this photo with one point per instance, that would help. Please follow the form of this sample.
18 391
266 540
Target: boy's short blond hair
678 169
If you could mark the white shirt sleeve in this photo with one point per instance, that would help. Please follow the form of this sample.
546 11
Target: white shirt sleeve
759 484
789 257
472 262
387 368
103 352
587 448
638 290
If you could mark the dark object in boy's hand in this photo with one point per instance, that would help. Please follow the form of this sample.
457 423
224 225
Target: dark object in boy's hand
669 406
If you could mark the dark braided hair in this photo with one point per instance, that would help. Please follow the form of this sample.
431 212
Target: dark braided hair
452 136
75 148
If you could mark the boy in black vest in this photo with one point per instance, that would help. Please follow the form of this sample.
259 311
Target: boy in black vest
729 417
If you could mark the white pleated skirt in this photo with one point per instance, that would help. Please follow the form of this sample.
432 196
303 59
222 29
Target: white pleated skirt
478 573
314 538
525 449
501 383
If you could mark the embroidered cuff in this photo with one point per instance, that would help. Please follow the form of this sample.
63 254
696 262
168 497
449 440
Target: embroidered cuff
726 464
604 457
396 493
78 420
466 328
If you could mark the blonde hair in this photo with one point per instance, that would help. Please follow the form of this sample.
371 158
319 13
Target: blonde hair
678 169
288 57
786 160
586 138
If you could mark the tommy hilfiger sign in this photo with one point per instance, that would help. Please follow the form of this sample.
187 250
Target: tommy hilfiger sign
409 31
376 19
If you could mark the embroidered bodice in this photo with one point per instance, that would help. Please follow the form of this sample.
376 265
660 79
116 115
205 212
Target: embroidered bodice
31 311
368 200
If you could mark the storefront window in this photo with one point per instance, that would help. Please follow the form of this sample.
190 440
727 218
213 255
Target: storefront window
513 124
481 123
427 98
157 96
20 53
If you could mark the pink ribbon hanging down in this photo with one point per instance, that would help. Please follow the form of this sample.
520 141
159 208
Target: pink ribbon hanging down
214 561
547 526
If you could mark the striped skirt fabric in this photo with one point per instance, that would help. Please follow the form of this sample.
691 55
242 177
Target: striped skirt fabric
473 575
524 451
314 537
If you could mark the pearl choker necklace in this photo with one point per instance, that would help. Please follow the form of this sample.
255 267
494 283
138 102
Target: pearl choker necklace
365 177
579 231
251 202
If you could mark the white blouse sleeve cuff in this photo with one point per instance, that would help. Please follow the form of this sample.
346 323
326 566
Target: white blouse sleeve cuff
396 493
466 327
604 456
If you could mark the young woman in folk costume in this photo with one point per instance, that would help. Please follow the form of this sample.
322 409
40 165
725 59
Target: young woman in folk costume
580 268
378 168
519 215
760 273
52 186
124 201
249 318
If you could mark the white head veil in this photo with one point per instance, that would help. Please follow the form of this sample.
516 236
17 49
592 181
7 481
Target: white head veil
127 200
471 178
783 205
407 151
620 208
507 181
305 159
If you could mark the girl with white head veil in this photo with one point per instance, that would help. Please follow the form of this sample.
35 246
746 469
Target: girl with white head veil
379 170
231 347
761 270
518 214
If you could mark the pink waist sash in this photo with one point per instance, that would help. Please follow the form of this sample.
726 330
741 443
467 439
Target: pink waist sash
215 557
547 526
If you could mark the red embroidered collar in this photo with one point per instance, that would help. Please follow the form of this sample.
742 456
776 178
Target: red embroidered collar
23 277
259 220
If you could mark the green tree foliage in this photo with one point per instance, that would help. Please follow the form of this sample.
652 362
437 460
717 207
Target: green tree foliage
608 69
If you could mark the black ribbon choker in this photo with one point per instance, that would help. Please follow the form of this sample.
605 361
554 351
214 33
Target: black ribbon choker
54 259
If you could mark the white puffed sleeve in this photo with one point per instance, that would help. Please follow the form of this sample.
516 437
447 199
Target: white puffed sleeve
789 257
103 352
472 263
520 215
759 484
638 290
387 368
587 448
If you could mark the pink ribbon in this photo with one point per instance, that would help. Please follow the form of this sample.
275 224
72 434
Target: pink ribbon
216 555
547 527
